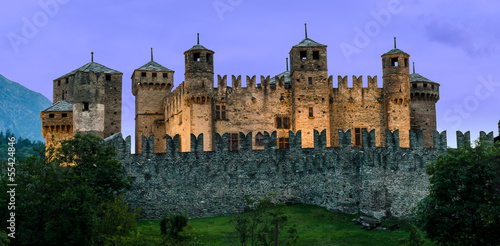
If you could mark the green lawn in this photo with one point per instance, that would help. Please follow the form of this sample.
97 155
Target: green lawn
315 226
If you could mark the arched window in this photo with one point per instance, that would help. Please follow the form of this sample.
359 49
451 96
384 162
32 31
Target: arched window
259 139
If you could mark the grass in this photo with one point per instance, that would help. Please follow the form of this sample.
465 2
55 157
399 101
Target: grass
315 226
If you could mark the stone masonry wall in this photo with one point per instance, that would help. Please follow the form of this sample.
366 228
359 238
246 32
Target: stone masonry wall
376 181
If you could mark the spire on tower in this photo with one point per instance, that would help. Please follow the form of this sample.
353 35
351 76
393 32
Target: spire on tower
305 25
394 42
413 67
151 54
198 38
287 64
92 56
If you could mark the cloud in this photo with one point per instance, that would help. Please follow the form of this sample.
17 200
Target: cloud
455 35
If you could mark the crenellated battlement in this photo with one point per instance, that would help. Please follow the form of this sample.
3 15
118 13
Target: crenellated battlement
295 139
357 82
425 91
266 82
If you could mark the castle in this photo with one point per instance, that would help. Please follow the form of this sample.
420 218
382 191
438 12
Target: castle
356 150
303 98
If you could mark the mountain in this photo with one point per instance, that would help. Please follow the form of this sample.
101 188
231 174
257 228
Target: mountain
20 110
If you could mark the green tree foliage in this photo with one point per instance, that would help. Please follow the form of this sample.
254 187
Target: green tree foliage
61 204
415 238
262 225
24 147
463 206
173 224
113 221
175 230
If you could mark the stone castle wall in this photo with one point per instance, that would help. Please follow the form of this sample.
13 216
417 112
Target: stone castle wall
376 181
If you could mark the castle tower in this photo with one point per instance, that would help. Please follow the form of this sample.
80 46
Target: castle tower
199 73
396 92
198 86
424 95
310 89
150 84
95 92
57 122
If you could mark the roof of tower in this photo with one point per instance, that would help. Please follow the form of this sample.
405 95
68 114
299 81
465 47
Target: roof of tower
154 66
198 47
272 81
308 42
94 67
60 106
395 51
415 77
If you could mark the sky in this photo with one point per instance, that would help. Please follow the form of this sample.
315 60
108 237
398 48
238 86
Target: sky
454 43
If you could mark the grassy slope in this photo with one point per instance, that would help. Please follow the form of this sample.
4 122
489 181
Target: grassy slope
315 225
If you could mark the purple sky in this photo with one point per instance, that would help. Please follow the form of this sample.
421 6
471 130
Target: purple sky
454 43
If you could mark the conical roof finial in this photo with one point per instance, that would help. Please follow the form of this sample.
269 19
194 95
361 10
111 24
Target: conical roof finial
287 64
394 42
305 25
198 39
92 56
413 67
151 54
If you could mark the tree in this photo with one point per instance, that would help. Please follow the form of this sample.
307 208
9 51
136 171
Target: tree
61 195
463 205
262 225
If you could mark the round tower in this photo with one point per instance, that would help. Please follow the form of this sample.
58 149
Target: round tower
198 115
424 95
150 84
199 73
396 92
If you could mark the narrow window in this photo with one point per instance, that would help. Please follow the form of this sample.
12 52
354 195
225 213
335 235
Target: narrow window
394 62
58 83
414 85
165 75
233 141
67 80
283 143
259 139
209 57
143 74
358 140
432 86
279 123
220 112
425 85
85 106
108 77
51 115
286 123
196 57
310 80
406 62
154 75
315 55
223 112
303 54
64 115
311 112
